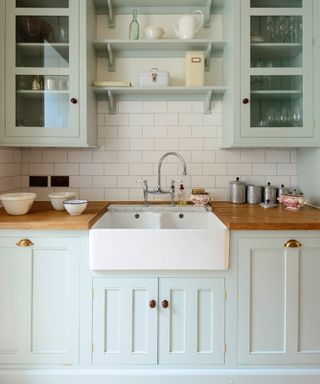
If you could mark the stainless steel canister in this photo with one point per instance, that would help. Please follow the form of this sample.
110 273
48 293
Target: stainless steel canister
254 194
237 191
283 190
270 193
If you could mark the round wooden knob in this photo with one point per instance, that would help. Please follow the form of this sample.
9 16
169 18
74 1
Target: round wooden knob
165 303
245 100
74 101
152 304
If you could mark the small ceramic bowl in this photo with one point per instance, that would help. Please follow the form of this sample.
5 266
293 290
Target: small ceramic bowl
75 207
57 199
17 203
200 200
292 202
154 32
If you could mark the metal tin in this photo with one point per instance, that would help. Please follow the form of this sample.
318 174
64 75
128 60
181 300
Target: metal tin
254 194
237 191
270 193
283 191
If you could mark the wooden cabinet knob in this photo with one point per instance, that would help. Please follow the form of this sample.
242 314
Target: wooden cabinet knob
165 303
292 244
25 243
152 304
245 100
74 101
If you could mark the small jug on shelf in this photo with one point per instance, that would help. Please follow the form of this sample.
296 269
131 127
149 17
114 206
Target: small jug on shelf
134 27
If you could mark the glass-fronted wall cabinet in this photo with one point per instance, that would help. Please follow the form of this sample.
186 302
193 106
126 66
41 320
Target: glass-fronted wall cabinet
276 79
42 72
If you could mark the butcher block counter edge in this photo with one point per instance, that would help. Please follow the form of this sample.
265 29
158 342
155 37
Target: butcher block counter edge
235 216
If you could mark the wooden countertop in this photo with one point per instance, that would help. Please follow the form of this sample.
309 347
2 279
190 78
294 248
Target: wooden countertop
43 216
234 216
253 217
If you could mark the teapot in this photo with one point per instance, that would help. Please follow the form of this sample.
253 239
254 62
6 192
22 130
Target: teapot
187 25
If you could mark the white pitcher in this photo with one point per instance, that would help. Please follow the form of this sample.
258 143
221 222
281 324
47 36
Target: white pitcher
187 25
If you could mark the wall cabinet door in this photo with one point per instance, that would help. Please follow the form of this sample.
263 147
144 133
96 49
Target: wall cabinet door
190 314
278 302
39 298
124 321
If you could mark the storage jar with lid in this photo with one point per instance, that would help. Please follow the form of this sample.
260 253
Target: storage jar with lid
270 193
254 194
237 191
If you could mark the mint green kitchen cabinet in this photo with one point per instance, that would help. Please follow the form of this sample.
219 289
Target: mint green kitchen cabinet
47 70
278 299
39 300
275 88
164 321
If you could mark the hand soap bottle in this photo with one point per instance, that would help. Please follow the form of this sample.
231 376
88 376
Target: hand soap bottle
182 195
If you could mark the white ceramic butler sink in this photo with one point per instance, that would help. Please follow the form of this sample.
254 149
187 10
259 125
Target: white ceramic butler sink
159 240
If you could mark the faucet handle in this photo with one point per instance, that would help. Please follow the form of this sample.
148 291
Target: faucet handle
145 182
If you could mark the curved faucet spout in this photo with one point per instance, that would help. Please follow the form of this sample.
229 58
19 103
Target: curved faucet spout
159 188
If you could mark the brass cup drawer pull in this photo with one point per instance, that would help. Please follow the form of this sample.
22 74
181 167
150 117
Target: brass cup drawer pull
25 243
293 244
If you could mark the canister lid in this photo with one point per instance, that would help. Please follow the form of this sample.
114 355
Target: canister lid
236 182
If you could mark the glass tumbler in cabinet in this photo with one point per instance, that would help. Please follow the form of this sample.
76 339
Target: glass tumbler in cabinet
43 68
277 44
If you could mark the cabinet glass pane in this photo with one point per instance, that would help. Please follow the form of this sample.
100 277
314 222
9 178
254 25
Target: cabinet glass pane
276 3
42 3
42 41
276 41
276 101
42 101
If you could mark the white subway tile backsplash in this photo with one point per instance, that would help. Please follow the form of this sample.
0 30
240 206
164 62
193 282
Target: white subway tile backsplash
214 119
266 169
155 107
80 181
211 144
252 156
166 169
277 156
117 144
12 169
130 107
166 119
239 169
214 169
179 131
228 156
104 181
118 119
114 169
167 144
30 156
278 180
80 156
130 131
191 144
203 181
141 144
208 131
154 131
116 194
141 119
91 169
129 156
290 169
191 119
179 106
55 156
66 169
92 194
42 169
108 131
203 156
141 169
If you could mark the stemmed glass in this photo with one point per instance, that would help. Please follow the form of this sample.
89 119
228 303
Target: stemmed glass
297 117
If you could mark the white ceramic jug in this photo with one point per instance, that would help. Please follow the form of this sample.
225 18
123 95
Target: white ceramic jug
187 25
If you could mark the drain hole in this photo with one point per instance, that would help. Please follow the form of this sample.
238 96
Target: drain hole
181 216
137 215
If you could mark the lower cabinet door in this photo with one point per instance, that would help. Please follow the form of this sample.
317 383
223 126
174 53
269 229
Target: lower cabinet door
278 301
125 320
39 299
191 326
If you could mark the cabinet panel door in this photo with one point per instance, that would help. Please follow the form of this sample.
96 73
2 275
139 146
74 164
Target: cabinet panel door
14 269
278 304
191 329
39 298
124 325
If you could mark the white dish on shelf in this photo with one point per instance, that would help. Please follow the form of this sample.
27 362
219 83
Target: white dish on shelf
75 207
256 39
153 33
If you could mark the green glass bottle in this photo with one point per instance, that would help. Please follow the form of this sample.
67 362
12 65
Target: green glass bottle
134 27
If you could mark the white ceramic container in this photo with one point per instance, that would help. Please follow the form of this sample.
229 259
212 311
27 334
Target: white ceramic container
200 200
75 207
17 203
153 32
57 199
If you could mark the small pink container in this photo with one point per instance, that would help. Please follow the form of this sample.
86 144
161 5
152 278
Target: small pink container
200 200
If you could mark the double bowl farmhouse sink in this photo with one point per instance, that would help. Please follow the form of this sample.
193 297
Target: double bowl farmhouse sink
158 238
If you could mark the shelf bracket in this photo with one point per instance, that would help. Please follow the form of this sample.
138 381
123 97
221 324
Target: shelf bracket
207 57
111 22
112 104
207 103
111 63
207 14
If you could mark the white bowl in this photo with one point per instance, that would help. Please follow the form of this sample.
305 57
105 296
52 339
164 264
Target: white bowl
57 199
153 32
17 203
75 207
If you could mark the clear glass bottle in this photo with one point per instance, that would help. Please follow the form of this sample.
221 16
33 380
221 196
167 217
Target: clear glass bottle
134 27
182 195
